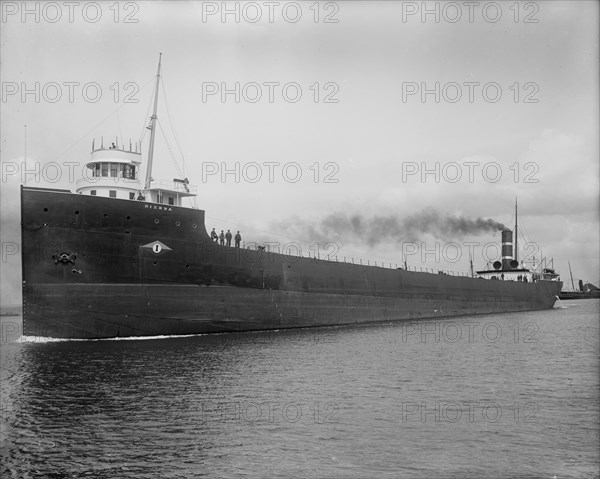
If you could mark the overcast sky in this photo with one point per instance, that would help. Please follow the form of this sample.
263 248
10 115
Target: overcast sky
356 97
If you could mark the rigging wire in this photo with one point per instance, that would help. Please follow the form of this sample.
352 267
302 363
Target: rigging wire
528 254
144 129
173 160
87 133
179 167
171 124
120 130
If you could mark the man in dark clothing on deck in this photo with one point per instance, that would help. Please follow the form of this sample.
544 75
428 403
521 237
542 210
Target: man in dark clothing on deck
238 238
228 237
222 238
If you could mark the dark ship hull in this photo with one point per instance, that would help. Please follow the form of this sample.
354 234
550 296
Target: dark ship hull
579 295
97 267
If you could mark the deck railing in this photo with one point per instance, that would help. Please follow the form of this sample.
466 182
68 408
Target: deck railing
356 261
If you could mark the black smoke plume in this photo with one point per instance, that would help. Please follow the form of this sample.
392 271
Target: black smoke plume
372 230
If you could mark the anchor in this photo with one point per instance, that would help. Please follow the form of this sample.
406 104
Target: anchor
64 258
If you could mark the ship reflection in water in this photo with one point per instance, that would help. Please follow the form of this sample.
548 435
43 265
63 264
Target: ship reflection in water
509 395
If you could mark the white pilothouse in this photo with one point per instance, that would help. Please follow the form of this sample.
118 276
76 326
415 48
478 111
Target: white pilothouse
114 171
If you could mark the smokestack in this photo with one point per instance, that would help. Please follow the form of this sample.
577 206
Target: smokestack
507 249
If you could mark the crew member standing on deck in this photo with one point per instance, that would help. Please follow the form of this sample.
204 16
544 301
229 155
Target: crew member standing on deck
222 238
213 235
228 237
238 238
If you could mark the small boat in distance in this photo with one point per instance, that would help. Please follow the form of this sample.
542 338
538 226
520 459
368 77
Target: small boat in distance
585 291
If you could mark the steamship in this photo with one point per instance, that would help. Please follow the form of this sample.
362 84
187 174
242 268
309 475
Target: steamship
121 258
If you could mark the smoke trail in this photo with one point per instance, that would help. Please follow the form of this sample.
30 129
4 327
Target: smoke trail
342 227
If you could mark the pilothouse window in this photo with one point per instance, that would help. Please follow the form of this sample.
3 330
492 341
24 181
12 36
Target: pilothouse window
128 171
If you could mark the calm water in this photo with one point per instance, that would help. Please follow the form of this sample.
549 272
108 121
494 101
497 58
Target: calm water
479 397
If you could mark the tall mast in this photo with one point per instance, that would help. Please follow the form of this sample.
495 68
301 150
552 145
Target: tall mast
471 264
152 129
571 273
25 151
516 252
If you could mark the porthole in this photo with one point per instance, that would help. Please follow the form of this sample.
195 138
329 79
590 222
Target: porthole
155 263
194 226
187 266
156 221
45 210
128 217
177 223
76 212
106 215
